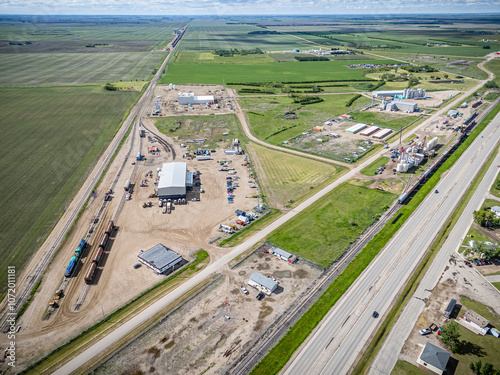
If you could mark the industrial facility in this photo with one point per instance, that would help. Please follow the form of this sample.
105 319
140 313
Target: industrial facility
188 98
174 180
396 105
401 94
160 258
262 283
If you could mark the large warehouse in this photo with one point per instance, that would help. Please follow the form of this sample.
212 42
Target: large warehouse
174 180
186 98
160 258
401 94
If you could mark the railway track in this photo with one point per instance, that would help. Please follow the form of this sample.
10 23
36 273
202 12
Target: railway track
257 349
40 268
167 146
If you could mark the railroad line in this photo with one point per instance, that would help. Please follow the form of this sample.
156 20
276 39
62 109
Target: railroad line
257 349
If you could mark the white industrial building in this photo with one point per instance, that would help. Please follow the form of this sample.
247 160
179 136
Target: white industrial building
160 258
188 98
262 283
283 255
356 128
174 180
401 94
396 105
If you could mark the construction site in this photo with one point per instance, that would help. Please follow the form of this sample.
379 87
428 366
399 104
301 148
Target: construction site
218 324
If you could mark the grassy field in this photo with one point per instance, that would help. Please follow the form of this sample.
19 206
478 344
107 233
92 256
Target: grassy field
196 127
323 232
406 368
76 68
372 168
47 151
210 58
267 121
270 72
286 178
494 67
494 188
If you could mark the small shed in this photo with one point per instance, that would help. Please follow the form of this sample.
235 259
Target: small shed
283 255
433 358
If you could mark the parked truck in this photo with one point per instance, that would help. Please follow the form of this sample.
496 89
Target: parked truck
244 219
127 185
239 212
169 207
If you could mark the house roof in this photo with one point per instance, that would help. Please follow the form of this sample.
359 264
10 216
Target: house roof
266 282
281 252
435 356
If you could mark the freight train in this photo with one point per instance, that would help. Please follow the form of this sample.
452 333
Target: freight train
98 254
74 259
469 123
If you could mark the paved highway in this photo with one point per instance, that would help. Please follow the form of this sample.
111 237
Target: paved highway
100 346
389 353
343 333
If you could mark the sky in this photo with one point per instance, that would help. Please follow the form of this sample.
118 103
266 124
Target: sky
243 7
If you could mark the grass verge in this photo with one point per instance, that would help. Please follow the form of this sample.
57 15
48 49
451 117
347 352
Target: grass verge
279 355
117 318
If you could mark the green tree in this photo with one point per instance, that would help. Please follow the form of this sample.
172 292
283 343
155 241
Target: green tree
476 367
450 336
487 369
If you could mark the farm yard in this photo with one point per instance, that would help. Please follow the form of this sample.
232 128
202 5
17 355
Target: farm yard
322 233
50 146
267 121
286 179
36 69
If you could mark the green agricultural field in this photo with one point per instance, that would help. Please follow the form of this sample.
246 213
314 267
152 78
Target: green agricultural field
50 138
210 58
210 35
323 232
184 128
307 71
372 168
287 178
75 68
267 121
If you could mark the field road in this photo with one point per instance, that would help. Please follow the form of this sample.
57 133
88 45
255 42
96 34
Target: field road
341 336
40 260
388 354
158 306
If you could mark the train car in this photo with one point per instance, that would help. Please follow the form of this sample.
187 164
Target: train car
111 225
98 255
90 273
79 249
71 266
104 241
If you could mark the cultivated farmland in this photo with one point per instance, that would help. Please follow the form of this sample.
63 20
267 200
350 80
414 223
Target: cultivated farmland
75 68
286 178
322 233
48 144
306 71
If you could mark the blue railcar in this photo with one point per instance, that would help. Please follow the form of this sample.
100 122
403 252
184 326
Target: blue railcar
71 266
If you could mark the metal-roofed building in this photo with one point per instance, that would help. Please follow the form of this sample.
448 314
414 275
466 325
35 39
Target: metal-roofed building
283 255
434 358
185 98
369 131
263 283
173 180
160 258
382 133
356 128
